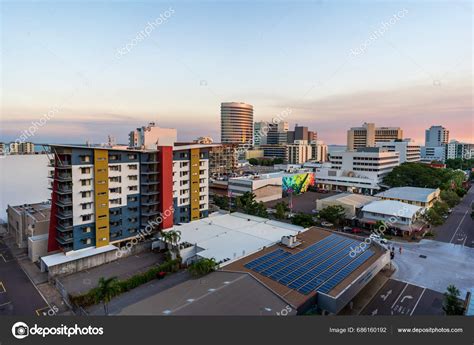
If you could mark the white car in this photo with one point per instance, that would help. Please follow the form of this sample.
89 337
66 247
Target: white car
327 224
377 238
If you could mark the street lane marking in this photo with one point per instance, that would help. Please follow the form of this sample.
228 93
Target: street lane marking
416 304
3 288
4 304
401 294
459 225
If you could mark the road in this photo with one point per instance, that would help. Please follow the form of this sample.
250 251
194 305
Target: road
18 295
459 227
401 298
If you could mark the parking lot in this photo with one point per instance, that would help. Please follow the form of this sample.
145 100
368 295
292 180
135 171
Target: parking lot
18 295
400 298
304 203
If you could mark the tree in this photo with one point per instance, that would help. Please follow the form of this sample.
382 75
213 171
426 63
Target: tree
452 304
302 219
422 175
435 215
203 267
253 161
449 197
281 209
172 237
106 290
246 203
333 214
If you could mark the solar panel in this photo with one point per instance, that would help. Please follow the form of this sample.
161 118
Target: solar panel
312 255
314 263
297 259
262 259
341 275
271 262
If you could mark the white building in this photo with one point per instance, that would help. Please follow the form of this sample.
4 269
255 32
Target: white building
358 171
367 135
429 154
456 149
151 136
436 136
319 151
409 151
266 187
299 152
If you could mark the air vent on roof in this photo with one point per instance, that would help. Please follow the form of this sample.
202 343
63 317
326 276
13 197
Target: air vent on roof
290 241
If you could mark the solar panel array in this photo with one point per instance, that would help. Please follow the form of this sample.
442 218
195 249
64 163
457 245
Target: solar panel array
320 267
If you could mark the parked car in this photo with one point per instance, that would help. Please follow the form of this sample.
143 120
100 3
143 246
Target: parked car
347 229
314 211
356 231
327 224
377 238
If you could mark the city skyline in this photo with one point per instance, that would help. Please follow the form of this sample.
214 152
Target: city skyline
180 70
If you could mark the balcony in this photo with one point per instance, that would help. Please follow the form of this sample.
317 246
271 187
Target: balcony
150 202
149 213
63 202
65 239
149 182
66 214
64 177
64 227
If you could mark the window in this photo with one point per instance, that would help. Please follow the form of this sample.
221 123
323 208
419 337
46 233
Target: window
132 198
183 164
86 241
115 168
87 182
102 216
132 156
115 179
86 217
133 188
133 177
133 166
115 190
87 194
86 229
117 201
102 193
85 170
85 159
87 206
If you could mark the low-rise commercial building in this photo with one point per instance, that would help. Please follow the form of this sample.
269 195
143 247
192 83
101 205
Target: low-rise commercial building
399 217
352 203
430 154
409 151
28 220
423 197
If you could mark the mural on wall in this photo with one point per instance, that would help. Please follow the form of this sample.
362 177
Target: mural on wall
297 184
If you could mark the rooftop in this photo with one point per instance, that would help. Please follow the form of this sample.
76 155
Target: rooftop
219 293
62 258
408 193
281 275
356 200
393 208
39 211
231 236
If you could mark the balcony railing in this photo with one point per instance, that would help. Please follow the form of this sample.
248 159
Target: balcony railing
65 239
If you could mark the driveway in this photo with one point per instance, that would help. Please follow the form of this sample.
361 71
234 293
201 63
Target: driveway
459 227
18 295
435 265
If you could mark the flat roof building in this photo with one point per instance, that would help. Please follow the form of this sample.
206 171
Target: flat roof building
352 203
423 197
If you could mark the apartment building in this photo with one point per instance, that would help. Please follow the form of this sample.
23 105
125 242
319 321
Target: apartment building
299 152
190 181
103 195
223 159
275 151
368 135
409 151
319 152
455 149
436 136
430 154
151 136
22 148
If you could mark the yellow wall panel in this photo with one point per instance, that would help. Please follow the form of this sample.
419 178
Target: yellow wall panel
101 197
194 202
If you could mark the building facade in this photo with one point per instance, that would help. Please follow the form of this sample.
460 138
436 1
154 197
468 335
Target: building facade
299 152
236 123
368 135
28 220
319 151
275 151
223 160
151 136
430 154
103 196
409 151
436 136
455 149
190 182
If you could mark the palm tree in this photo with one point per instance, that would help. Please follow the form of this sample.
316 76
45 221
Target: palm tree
172 237
203 267
106 290
452 304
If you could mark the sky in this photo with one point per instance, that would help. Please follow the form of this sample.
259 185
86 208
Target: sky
76 71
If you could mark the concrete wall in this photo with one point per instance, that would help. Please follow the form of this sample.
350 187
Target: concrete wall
37 247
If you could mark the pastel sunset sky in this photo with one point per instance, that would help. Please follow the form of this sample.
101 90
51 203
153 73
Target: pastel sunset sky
335 64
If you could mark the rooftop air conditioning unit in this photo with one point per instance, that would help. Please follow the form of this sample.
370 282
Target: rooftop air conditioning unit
290 241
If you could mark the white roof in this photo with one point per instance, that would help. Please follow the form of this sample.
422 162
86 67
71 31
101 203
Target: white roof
232 236
408 193
392 208
62 258
356 200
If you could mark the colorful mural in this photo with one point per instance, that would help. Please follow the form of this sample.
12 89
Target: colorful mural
297 184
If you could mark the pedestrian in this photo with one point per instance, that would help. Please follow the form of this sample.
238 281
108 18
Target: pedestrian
400 250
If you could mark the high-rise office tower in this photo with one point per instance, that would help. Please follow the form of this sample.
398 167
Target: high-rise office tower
436 136
236 123
260 132
368 135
